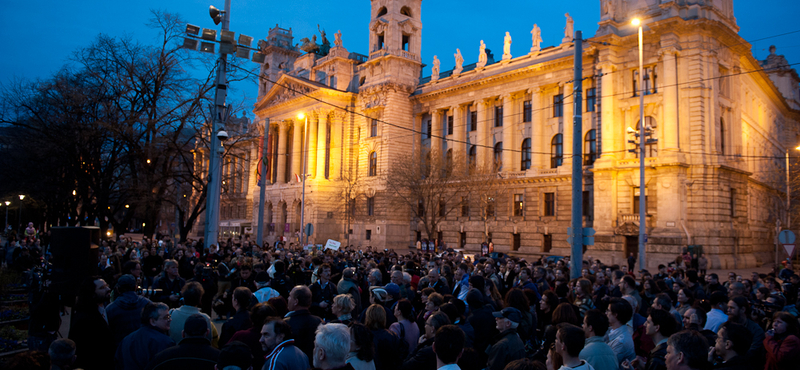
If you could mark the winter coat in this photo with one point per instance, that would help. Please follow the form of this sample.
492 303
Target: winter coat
125 315
507 348
140 347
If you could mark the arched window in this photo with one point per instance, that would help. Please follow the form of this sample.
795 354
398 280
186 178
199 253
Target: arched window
373 163
498 156
526 154
590 147
472 157
382 11
406 11
556 151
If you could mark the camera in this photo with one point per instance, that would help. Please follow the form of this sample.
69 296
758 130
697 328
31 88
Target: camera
148 292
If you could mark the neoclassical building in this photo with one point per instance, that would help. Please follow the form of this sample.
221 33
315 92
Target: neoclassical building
722 123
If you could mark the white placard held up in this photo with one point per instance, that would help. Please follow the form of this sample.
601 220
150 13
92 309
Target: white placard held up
332 244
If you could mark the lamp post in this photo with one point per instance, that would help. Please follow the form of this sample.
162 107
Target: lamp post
8 204
642 198
304 235
788 204
21 197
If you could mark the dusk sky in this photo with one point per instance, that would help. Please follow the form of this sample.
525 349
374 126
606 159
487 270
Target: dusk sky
41 36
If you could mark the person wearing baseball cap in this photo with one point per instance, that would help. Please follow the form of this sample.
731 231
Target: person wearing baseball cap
509 346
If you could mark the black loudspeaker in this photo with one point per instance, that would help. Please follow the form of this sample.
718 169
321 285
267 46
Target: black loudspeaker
75 255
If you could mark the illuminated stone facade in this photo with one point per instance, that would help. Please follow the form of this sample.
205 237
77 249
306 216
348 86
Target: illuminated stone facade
716 118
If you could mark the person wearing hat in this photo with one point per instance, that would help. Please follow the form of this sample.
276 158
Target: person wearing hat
379 295
194 351
235 356
393 290
509 346
124 314
264 292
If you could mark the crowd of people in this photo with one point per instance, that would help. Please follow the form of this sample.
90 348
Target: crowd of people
153 305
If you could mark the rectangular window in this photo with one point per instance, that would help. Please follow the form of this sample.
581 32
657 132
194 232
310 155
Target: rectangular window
519 205
430 129
332 82
490 207
473 121
498 116
462 239
547 243
369 234
450 125
588 211
373 127
549 204
515 242
527 111
464 207
558 105
591 99
442 208
733 202
370 206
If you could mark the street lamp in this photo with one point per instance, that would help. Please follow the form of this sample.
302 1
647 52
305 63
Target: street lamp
21 197
642 199
8 204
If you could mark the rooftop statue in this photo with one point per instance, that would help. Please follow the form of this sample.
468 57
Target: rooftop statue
459 62
507 47
435 69
537 39
482 56
568 30
337 41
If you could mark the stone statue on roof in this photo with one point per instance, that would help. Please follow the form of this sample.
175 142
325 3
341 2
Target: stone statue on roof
459 62
482 56
326 45
435 69
537 39
507 46
569 34
337 41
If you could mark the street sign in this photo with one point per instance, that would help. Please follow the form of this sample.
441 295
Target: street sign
786 237
588 236
309 229
789 249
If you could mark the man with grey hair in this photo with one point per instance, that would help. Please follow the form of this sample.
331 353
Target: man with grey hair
509 346
331 346
434 280
141 346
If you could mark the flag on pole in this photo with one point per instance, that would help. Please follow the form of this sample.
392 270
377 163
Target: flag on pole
297 177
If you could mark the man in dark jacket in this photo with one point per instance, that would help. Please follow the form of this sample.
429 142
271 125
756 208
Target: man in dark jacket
170 284
509 346
733 342
241 320
659 326
303 323
125 314
349 285
94 341
322 293
141 346
480 317
193 352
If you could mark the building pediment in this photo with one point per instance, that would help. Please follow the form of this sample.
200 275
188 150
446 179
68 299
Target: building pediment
289 88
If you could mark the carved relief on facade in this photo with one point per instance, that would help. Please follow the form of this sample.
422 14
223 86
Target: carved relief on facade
290 91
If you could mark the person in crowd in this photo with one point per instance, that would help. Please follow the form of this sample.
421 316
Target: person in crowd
627 286
331 346
264 291
386 343
620 337
687 350
713 285
448 345
434 280
404 328
192 294
738 309
461 282
583 296
170 283
62 354
717 315
241 319
480 317
278 343
540 278
731 345
362 348
235 356
322 293
569 343
302 322
595 351
250 337
125 313
342 307
140 347
527 327
660 326
423 357
194 351
508 345
782 343
90 331
349 285
662 301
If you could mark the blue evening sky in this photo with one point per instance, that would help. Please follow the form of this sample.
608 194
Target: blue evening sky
40 35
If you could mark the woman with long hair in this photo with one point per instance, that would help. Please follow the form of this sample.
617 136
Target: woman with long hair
685 300
386 342
362 348
516 298
404 327
650 291
547 304
492 293
563 313
583 296
781 343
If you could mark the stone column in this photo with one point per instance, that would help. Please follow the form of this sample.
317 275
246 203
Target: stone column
569 108
436 132
607 106
671 106
509 128
460 134
297 148
283 128
313 119
337 147
322 136
538 141
483 150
